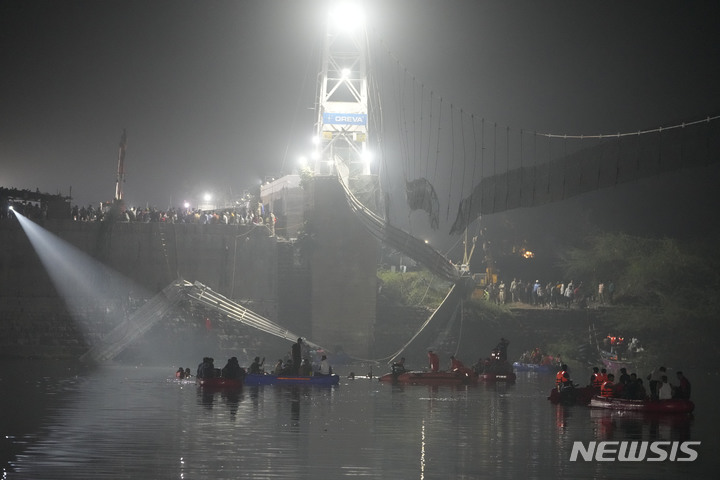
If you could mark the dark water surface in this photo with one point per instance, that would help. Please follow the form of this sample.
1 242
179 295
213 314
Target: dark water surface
114 422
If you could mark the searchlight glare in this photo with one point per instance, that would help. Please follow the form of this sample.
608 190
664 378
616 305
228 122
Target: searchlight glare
83 283
346 17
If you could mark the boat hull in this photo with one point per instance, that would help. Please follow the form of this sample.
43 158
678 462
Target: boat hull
219 383
252 379
650 406
497 377
572 396
428 378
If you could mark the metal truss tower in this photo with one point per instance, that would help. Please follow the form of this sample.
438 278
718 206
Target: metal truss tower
342 109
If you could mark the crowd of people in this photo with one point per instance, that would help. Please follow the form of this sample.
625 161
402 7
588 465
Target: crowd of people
536 356
550 294
297 363
629 385
244 215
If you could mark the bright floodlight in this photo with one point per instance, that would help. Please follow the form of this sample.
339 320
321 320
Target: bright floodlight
346 17
367 157
187 204
315 140
303 161
345 72
207 197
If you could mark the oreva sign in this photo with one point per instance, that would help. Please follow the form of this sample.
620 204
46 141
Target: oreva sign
344 118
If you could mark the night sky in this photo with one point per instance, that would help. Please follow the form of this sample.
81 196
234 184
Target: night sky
216 95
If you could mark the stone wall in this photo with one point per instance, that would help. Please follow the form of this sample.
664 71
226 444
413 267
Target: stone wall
235 260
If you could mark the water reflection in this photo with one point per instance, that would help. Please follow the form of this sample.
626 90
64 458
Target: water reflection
613 425
359 428
229 398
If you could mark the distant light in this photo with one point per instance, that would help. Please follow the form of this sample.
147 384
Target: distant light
11 207
315 140
345 72
427 242
187 204
367 157
346 17
303 161
528 254
207 197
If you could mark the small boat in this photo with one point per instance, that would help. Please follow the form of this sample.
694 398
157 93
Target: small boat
498 371
497 377
219 383
613 363
572 395
534 367
429 378
256 379
675 405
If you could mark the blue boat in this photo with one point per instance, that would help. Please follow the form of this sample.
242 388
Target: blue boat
253 379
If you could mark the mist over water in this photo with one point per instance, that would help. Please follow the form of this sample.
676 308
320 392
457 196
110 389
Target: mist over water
129 422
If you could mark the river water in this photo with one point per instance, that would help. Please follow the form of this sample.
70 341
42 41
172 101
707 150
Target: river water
65 421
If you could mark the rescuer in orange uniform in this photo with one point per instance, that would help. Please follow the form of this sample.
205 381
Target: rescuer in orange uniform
608 388
562 378
434 361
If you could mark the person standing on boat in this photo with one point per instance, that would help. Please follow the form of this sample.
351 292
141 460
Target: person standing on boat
456 366
256 366
664 389
596 379
434 361
608 388
683 389
562 378
306 368
232 369
655 378
399 367
296 356
502 349
206 369
325 368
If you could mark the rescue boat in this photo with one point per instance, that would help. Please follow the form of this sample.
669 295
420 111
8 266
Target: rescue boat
219 383
497 377
674 405
572 395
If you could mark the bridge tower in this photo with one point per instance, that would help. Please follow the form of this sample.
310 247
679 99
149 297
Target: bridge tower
342 111
343 260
